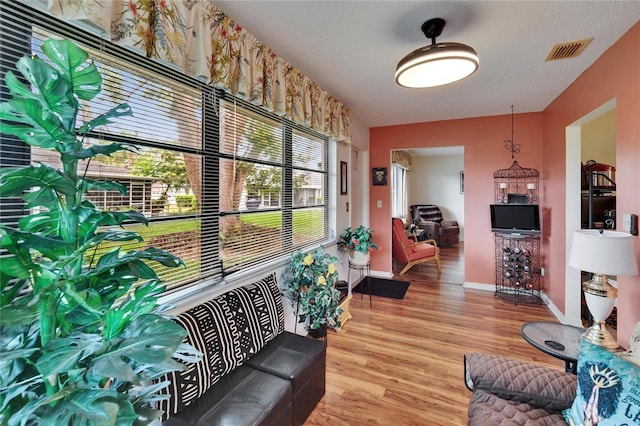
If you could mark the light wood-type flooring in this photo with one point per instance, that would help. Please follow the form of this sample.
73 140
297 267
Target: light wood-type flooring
401 361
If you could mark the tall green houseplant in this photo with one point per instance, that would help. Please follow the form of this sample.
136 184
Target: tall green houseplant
83 338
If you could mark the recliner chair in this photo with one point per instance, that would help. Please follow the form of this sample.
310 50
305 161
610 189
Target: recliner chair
429 217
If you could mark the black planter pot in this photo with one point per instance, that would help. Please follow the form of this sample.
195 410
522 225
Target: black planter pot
318 333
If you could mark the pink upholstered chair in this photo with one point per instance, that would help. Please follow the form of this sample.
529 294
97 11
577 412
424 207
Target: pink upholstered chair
408 251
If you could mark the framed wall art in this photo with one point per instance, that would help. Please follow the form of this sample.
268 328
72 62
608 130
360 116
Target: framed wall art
379 176
343 178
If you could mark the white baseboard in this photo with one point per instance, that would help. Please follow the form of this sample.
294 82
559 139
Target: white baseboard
381 274
479 286
545 299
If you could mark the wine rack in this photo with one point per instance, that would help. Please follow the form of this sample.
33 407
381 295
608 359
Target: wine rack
518 268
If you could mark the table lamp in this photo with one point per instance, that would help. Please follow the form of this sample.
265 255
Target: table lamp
602 253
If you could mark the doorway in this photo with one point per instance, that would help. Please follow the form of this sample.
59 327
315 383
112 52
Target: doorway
436 177
577 135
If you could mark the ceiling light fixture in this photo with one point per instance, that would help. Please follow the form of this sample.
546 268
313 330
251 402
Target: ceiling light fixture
437 64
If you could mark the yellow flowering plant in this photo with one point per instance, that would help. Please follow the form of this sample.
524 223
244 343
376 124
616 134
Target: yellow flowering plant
310 286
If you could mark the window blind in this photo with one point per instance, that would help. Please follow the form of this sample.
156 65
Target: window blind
225 185
169 127
275 187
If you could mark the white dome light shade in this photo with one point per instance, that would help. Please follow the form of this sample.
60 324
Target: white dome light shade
436 65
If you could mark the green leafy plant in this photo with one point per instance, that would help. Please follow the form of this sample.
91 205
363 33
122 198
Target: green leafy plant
83 336
357 239
310 286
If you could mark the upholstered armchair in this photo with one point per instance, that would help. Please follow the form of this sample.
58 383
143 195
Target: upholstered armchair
411 252
429 218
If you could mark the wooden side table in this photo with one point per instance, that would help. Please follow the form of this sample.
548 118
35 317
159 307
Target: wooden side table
415 235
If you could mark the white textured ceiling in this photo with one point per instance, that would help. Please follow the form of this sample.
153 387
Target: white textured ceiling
351 48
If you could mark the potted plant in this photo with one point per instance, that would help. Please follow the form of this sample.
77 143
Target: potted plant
310 286
83 337
358 242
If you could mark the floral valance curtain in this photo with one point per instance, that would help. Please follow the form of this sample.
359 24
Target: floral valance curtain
201 40
402 158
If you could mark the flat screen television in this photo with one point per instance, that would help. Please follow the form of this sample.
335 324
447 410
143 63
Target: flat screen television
515 218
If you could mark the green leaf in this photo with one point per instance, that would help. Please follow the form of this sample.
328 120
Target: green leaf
54 92
105 118
160 256
112 260
64 353
115 321
75 66
105 185
115 236
114 366
33 240
119 217
11 289
95 150
143 300
39 222
19 314
80 407
33 124
151 338
14 182
13 266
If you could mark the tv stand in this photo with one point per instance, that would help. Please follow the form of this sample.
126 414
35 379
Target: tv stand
518 267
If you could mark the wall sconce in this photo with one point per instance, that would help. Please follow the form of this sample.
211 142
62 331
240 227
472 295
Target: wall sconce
530 188
503 191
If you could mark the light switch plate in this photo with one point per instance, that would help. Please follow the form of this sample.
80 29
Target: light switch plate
633 228
626 222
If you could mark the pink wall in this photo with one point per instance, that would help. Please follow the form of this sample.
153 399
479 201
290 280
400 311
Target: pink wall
483 140
615 75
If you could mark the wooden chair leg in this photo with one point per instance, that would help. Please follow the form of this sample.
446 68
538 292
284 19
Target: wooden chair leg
406 268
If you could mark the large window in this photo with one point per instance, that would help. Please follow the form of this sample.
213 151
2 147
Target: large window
225 185
274 178
399 196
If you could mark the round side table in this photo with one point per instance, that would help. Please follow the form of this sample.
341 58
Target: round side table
558 340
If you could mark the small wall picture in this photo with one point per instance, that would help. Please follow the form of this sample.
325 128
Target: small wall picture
462 182
343 177
379 175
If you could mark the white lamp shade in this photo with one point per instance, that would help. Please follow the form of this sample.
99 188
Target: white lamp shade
603 252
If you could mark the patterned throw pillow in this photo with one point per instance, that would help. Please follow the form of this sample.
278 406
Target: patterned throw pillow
608 389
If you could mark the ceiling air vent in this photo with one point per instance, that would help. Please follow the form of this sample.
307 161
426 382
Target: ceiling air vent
568 50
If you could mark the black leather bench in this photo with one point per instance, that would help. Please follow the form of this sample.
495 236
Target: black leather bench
252 372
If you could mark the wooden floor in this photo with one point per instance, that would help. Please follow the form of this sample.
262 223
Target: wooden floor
400 362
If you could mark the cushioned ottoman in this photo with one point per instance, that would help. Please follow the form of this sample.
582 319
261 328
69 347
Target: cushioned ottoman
302 362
